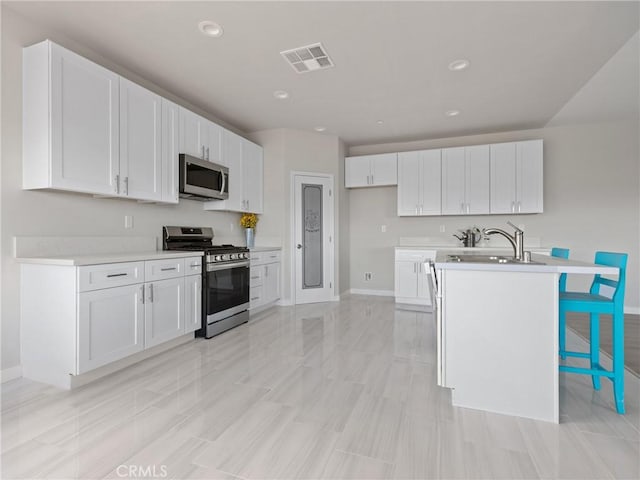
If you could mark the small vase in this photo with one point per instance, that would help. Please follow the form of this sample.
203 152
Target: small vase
250 237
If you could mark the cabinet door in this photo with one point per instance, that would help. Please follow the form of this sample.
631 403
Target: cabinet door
271 282
424 290
164 311
140 142
357 172
477 188
192 133
503 177
252 176
409 183
529 176
453 181
430 183
170 151
384 169
406 281
84 124
192 303
110 325
213 142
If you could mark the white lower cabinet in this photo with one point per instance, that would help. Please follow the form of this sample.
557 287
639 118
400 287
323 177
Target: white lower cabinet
163 311
77 319
193 303
411 276
110 325
264 279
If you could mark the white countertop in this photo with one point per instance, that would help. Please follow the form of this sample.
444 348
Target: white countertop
100 258
265 249
458 248
547 264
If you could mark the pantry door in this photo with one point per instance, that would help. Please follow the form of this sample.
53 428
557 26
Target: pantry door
313 238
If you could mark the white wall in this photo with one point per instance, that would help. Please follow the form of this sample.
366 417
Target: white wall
33 213
287 150
591 202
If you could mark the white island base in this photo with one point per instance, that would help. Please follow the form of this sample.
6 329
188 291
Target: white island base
502 353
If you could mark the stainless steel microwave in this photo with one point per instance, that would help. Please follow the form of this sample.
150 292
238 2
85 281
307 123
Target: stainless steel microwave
202 180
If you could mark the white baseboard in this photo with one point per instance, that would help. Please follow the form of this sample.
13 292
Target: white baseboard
377 293
632 310
11 373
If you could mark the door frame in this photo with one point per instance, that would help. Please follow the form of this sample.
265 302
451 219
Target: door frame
332 234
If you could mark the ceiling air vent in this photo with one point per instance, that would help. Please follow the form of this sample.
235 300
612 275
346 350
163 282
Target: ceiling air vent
308 58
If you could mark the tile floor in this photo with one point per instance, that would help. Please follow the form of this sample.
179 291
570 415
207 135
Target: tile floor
340 390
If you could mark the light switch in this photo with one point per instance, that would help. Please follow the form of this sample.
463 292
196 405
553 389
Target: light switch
383 228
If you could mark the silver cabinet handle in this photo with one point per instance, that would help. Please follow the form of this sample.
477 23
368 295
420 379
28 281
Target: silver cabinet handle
416 209
203 153
117 183
414 267
254 298
519 206
168 269
111 275
372 180
195 265
151 292
207 153
254 278
468 208
421 209
266 272
142 293
273 256
126 185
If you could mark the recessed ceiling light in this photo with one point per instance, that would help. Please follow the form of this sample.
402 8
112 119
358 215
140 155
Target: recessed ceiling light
212 29
458 65
281 94
320 129
379 122
452 113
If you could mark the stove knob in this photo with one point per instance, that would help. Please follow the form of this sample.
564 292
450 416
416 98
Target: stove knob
224 257
245 255
232 256
218 258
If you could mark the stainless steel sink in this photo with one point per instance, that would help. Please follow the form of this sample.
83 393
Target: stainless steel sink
474 258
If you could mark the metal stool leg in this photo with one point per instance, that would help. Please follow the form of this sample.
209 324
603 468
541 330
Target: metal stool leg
595 347
618 359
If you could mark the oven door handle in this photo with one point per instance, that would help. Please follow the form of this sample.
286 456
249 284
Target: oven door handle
212 267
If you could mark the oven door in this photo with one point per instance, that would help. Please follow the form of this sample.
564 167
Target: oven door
226 290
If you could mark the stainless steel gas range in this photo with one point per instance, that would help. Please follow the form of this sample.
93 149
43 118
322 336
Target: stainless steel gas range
225 277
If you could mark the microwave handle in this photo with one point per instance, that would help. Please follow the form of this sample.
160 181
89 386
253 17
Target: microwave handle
224 183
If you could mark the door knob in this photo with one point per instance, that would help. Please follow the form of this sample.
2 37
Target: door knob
299 246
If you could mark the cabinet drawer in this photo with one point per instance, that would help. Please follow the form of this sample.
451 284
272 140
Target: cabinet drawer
256 276
255 296
415 255
161 269
193 265
260 258
95 277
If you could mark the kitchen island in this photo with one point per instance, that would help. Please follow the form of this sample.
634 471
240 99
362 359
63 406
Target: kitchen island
497 329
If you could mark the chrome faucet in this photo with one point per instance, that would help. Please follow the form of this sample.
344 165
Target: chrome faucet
516 240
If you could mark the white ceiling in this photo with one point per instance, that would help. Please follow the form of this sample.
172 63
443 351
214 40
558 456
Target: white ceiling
527 59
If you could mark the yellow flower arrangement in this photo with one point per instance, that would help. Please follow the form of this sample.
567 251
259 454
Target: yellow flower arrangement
249 220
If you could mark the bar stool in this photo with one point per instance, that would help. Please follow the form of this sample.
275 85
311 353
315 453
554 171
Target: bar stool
595 303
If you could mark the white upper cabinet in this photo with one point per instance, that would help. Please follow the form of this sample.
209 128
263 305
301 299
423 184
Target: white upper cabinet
86 129
371 170
140 142
465 180
170 151
517 177
419 185
70 122
200 137
245 162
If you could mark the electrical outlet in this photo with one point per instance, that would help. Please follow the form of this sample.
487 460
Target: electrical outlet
128 221
442 229
383 228
368 276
